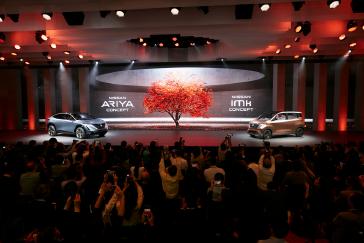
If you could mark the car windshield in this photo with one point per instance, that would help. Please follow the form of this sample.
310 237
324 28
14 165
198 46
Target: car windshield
82 116
266 116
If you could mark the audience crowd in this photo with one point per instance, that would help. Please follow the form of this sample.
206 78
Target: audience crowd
95 192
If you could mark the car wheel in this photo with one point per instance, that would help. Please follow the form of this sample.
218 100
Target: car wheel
80 132
299 132
52 131
267 134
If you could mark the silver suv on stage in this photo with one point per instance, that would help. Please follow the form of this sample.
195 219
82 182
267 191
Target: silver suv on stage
81 125
277 123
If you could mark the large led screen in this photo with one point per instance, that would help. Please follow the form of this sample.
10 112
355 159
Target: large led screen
236 92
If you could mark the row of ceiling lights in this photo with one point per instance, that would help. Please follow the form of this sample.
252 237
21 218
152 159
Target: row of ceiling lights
175 10
305 28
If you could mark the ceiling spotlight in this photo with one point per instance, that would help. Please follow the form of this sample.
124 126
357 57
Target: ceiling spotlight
192 44
49 57
287 46
298 27
347 53
161 44
17 47
175 11
297 56
2 58
80 56
47 15
44 37
2 17
298 5
278 51
353 44
145 44
208 42
342 37
351 26
333 3
21 59
303 58
141 39
66 61
297 39
14 54
66 52
314 48
133 61
41 36
53 45
264 7
362 27
174 38
120 13
27 63
176 44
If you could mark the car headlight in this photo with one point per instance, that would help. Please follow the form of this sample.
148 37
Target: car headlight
262 126
90 127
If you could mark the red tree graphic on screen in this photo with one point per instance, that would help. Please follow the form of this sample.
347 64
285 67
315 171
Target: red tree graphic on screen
177 97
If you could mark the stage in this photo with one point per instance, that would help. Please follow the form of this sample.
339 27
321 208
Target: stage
193 136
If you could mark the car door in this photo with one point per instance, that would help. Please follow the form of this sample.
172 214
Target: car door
293 122
279 123
59 122
69 123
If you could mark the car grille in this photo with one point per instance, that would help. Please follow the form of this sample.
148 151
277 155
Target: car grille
99 126
254 125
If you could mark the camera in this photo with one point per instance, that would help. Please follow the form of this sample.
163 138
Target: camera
229 135
217 182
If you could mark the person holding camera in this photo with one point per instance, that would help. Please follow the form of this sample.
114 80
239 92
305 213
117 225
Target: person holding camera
266 169
216 202
224 147
123 207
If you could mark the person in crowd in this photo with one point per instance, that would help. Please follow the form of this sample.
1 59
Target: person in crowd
348 226
210 172
224 147
30 179
266 170
179 161
217 197
171 176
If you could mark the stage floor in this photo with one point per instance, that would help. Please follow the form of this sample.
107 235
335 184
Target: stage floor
192 137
